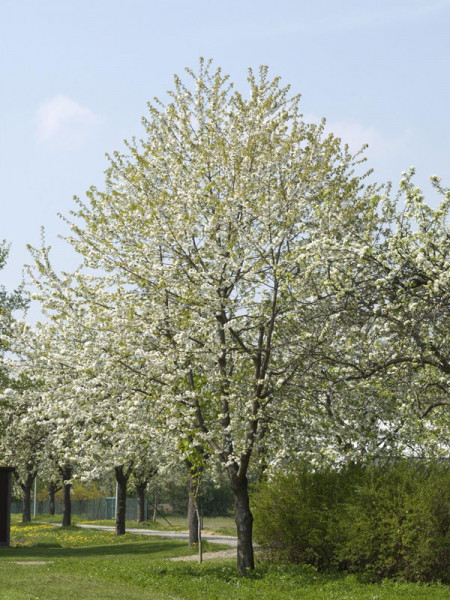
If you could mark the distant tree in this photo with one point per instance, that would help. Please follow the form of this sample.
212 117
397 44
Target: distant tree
9 302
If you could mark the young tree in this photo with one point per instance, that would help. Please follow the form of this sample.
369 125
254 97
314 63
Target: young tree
204 252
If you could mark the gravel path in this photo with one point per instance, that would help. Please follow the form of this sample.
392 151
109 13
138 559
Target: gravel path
231 553
228 540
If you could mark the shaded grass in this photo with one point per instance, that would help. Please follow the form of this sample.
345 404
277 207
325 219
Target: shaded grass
96 565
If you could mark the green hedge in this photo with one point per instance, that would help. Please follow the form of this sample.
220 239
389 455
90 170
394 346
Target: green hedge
390 520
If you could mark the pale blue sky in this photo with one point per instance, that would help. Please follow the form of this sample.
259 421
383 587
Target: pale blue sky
76 76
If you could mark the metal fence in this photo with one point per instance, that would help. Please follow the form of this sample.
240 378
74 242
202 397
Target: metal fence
90 510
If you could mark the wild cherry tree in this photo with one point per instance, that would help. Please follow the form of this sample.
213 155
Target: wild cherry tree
23 436
9 303
202 252
93 419
414 293
391 315
33 437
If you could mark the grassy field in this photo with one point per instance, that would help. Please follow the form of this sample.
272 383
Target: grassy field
220 525
48 563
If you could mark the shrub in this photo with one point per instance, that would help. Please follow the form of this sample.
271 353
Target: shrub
386 520
294 514
397 523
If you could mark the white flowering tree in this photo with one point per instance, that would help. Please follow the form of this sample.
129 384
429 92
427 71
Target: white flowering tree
391 308
23 436
92 418
202 259
22 445
414 294
9 303
33 438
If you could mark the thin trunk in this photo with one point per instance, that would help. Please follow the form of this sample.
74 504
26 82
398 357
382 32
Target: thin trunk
121 499
192 515
66 473
199 534
244 524
52 489
155 506
141 512
262 453
195 474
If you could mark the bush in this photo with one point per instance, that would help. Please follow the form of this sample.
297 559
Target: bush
397 523
386 520
294 514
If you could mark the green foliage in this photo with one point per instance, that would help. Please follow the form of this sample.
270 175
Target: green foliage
398 523
216 497
295 512
385 520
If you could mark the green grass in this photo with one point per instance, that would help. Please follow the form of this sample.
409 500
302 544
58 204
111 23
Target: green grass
97 565
219 525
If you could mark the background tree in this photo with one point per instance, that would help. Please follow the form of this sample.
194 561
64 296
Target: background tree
9 302
22 443
391 305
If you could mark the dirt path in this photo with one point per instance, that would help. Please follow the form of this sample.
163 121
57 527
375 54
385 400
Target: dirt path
231 553
217 538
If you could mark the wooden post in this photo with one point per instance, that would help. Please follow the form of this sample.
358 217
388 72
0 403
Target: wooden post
5 504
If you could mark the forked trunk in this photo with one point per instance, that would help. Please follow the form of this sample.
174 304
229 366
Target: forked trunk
26 491
244 525
141 512
66 473
121 499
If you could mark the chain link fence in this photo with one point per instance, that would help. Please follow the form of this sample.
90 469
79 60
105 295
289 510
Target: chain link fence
90 510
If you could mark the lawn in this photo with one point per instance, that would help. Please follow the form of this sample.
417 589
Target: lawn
48 563
220 525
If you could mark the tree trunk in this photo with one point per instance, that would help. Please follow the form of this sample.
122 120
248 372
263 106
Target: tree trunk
26 499
195 473
192 516
244 524
66 473
155 506
26 486
140 490
121 499
52 489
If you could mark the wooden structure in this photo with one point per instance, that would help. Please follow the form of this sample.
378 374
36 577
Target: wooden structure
5 504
